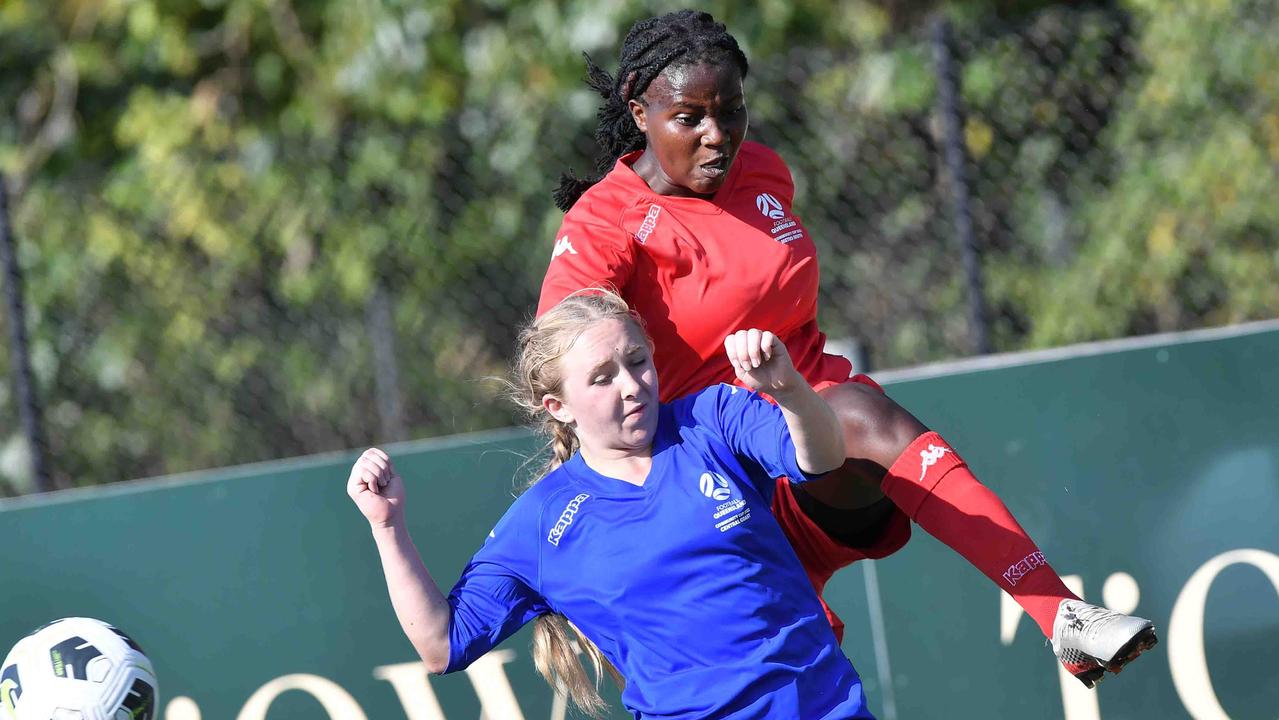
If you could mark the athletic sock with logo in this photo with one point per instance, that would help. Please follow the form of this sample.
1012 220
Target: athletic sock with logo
932 484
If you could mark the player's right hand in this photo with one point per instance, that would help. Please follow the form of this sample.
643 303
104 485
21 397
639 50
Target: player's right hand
762 363
376 489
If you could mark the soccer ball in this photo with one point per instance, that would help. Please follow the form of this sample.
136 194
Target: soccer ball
77 669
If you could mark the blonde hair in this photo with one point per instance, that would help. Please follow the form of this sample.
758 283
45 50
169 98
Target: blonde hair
537 373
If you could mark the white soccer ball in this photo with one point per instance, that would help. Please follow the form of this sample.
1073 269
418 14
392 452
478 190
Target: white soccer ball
77 669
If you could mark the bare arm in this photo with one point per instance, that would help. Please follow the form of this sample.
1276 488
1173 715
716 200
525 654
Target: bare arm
419 605
819 440
762 364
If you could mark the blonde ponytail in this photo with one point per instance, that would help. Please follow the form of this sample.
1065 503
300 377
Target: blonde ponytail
555 645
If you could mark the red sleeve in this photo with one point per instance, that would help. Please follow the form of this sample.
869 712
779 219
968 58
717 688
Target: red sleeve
589 252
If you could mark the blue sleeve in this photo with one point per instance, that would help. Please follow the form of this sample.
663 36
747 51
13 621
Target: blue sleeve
752 427
496 594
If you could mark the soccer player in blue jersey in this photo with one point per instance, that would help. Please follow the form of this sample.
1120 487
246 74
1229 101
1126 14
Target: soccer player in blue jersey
651 532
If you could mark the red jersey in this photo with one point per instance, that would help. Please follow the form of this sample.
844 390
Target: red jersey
698 269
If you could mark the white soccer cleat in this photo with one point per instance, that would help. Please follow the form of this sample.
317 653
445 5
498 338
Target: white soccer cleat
1089 640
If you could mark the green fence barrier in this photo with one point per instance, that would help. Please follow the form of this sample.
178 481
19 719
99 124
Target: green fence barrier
1148 471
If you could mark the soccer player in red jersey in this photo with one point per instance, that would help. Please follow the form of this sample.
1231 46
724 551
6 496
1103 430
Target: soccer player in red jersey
694 226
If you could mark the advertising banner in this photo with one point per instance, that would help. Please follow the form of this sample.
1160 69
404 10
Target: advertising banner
1148 472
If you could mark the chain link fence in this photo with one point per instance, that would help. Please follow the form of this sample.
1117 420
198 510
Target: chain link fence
213 299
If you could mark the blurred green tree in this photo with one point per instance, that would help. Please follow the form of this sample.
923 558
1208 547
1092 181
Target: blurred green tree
1186 232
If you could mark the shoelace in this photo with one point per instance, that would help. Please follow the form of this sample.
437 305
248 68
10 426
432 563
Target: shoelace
1090 620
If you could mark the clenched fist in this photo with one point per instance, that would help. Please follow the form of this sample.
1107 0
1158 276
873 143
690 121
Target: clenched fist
761 362
376 489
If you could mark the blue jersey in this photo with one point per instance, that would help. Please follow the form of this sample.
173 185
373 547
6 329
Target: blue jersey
686 583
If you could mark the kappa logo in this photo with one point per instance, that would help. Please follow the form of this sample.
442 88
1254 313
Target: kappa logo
1018 570
650 223
769 206
929 458
566 519
715 486
563 246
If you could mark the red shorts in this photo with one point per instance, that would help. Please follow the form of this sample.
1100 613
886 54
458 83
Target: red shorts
858 378
821 555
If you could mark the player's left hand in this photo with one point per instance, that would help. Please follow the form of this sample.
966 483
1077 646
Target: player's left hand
761 362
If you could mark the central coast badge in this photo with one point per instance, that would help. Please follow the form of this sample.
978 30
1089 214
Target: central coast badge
731 509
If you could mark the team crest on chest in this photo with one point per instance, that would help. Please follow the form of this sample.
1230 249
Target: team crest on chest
769 206
730 507
785 229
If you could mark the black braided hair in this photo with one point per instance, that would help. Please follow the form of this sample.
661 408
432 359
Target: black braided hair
677 39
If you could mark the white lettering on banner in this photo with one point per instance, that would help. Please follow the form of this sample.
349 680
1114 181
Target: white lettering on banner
337 703
497 698
181 708
411 684
1189 664
559 707
413 689
1185 643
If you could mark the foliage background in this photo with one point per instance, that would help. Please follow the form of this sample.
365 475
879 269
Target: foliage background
261 228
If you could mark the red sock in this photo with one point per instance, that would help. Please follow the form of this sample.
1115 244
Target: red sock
933 485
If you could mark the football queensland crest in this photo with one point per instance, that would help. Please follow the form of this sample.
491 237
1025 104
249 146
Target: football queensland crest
769 206
730 509
715 486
